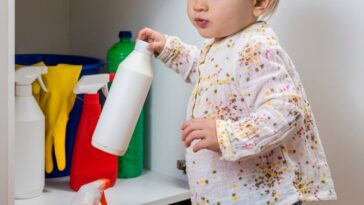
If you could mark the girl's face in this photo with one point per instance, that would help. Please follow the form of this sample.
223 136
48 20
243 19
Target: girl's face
220 18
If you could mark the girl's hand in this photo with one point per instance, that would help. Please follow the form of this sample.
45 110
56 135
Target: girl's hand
202 129
156 40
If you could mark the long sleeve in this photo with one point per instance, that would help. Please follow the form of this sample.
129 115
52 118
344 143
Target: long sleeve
270 92
181 58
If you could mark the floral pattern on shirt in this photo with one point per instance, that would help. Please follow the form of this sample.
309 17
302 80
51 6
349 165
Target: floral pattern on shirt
271 152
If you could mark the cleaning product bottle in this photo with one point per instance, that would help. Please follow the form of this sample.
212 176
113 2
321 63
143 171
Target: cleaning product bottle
89 163
125 101
29 134
119 51
131 164
92 193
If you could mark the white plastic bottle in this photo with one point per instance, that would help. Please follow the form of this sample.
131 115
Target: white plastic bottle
29 134
125 101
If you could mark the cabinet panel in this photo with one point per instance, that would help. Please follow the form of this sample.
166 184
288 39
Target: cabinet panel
6 102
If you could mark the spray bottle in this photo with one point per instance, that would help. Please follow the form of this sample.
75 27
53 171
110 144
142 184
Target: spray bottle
89 163
125 101
29 134
92 193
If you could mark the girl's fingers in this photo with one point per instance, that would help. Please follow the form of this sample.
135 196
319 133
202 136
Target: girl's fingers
203 129
141 34
198 134
152 47
191 121
191 125
155 39
185 124
203 144
156 47
146 34
187 130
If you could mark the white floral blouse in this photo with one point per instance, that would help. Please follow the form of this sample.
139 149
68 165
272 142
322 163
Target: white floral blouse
271 152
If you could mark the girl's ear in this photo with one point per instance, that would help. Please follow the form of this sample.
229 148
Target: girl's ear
261 6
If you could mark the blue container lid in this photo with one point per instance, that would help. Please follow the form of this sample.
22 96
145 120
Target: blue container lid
87 63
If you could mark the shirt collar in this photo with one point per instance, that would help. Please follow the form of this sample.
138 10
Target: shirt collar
256 27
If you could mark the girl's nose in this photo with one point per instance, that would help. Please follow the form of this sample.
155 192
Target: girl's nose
200 5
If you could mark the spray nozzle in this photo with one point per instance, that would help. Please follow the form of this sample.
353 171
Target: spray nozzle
91 84
27 75
92 193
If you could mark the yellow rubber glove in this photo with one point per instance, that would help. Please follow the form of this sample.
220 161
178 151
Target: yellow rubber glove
56 104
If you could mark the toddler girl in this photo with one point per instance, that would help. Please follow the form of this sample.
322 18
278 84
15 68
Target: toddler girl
251 136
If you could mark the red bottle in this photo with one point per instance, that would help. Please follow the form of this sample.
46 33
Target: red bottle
88 163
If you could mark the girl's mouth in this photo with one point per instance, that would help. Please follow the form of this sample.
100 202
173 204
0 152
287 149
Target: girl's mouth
201 22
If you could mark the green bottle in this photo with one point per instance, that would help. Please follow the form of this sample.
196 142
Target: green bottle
119 51
131 164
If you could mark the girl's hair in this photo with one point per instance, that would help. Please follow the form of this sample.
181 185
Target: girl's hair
270 11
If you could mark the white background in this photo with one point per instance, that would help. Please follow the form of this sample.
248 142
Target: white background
325 39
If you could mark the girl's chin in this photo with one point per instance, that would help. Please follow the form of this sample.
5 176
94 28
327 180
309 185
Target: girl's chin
205 34
209 34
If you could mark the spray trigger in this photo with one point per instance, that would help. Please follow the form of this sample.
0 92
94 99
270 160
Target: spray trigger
91 84
40 80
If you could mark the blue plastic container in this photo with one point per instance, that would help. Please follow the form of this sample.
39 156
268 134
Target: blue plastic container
89 66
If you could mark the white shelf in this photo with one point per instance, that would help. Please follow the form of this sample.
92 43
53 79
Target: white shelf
151 188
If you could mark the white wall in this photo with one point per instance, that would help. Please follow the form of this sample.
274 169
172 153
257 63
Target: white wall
42 26
325 40
7 102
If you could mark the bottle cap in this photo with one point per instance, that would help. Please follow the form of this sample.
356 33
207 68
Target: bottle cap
111 77
125 34
142 46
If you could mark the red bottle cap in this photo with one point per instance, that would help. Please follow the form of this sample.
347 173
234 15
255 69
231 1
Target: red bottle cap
111 77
